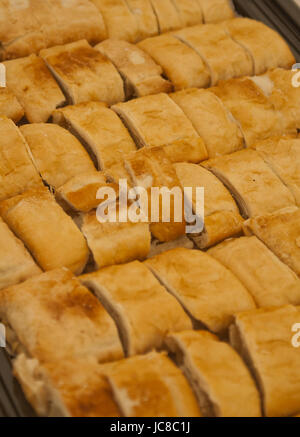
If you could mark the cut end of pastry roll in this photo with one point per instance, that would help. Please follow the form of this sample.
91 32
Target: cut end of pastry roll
212 368
210 293
139 382
264 338
72 388
80 192
142 308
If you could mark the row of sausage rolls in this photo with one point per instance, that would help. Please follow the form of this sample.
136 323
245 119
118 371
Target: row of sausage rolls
28 26
114 71
78 353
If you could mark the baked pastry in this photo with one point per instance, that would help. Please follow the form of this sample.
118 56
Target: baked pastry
80 192
84 74
57 154
167 15
68 388
216 10
10 106
213 368
251 182
158 121
46 230
264 338
141 75
17 172
27 27
210 293
280 231
120 22
53 318
190 12
221 215
151 170
270 282
251 108
266 47
35 87
100 129
212 120
191 71
282 154
16 265
278 86
115 242
224 57
151 386
142 308
158 247
145 17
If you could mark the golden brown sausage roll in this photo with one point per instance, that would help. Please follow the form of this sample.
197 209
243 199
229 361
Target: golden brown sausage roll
213 368
10 106
264 338
142 308
46 230
210 293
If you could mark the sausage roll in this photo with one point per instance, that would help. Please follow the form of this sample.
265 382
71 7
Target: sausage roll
251 182
53 318
69 388
100 130
16 265
213 368
17 172
266 47
35 87
221 214
168 16
191 71
264 338
210 293
141 75
151 386
158 121
115 242
57 154
270 282
190 12
224 57
280 231
120 22
142 308
145 17
212 120
84 73
46 230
